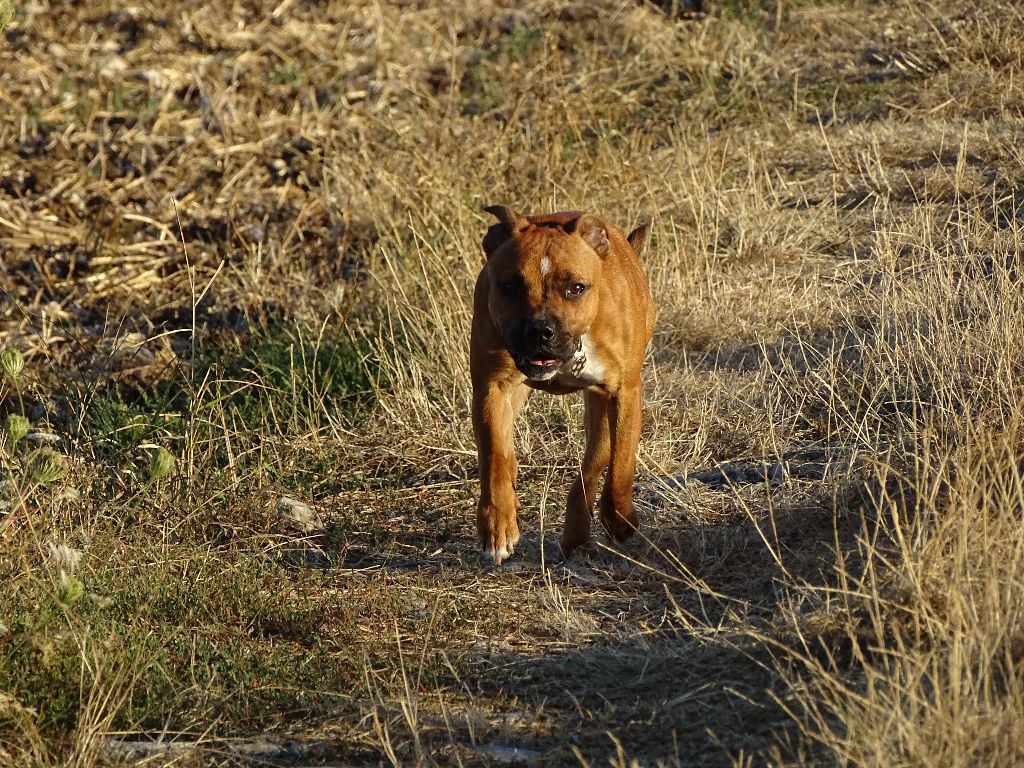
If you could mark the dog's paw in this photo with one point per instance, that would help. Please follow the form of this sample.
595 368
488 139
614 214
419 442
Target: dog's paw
499 540
620 526
575 538
502 553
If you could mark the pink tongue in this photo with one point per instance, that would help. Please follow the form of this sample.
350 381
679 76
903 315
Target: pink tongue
543 361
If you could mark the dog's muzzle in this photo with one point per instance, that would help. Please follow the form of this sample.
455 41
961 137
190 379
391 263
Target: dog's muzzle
541 348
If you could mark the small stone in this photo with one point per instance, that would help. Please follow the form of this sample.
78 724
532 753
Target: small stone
299 515
508 753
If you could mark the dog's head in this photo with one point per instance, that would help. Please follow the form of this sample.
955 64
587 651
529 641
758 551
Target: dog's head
542 280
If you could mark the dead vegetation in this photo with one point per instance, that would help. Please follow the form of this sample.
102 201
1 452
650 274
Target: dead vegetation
237 243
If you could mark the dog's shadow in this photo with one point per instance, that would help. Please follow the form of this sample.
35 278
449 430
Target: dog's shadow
671 659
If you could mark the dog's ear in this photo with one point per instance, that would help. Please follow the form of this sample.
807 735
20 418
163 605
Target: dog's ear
509 222
592 230
638 238
514 221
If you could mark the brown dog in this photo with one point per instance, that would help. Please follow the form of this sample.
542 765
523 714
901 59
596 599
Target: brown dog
560 305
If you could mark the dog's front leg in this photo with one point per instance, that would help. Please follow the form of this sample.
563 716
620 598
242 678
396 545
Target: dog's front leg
616 507
495 406
580 506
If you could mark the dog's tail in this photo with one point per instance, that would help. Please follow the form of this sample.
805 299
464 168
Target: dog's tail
638 238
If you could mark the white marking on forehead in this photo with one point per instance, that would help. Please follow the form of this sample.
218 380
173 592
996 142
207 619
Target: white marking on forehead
545 266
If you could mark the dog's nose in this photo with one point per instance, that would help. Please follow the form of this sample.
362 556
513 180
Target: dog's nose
541 328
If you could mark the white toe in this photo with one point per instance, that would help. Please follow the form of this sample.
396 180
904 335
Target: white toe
500 553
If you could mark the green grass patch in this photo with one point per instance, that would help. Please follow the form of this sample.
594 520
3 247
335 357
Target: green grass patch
861 100
233 637
118 421
293 380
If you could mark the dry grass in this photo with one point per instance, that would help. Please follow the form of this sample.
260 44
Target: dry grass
246 235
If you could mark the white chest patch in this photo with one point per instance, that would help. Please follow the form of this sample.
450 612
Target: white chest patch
545 266
585 369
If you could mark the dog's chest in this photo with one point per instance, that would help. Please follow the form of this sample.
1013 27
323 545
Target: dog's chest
585 369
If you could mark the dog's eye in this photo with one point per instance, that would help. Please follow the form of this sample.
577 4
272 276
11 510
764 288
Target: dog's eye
511 287
575 290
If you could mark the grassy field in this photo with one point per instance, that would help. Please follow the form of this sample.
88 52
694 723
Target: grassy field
237 475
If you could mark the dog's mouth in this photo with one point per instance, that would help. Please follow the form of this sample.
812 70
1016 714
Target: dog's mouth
545 363
540 366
